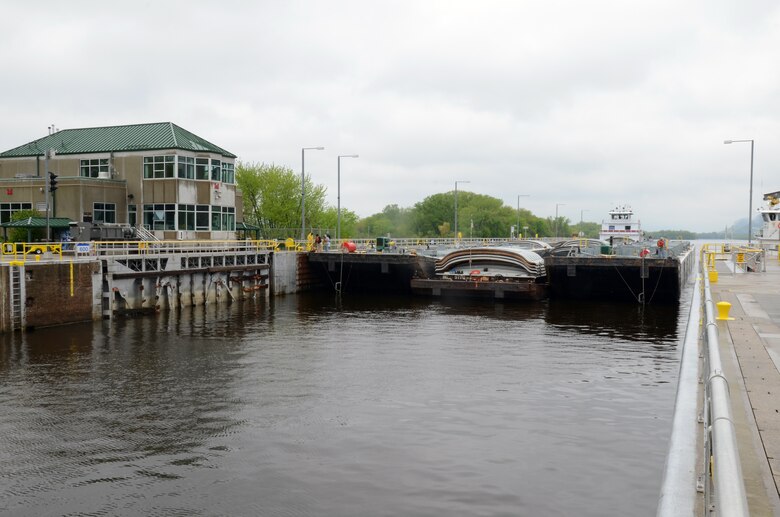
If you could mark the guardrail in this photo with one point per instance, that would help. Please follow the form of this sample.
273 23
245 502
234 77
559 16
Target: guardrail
720 475
680 484
744 258
724 472
25 252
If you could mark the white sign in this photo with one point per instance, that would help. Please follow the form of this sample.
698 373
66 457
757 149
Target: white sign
82 247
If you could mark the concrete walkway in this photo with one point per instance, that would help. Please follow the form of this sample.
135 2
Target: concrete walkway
750 351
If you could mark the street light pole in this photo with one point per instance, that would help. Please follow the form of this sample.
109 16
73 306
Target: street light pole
456 205
303 190
582 234
338 195
750 202
556 217
518 210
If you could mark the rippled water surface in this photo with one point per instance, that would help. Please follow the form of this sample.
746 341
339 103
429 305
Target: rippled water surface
306 405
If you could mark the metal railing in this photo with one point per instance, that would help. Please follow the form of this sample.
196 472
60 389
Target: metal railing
720 475
679 488
726 488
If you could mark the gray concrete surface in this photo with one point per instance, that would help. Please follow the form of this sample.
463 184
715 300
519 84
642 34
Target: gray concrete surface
750 350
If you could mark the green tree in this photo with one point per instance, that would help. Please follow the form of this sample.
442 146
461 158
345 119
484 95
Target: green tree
391 220
329 220
432 212
490 216
272 198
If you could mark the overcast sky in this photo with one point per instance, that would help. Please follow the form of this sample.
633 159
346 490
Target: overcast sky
585 104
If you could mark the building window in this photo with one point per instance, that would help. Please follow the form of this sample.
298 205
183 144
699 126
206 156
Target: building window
132 215
8 209
159 166
186 167
628 227
186 217
228 218
103 212
97 168
201 168
216 170
228 173
216 218
202 217
160 217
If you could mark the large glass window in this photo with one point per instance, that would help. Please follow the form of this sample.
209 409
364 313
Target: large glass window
202 217
94 168
186 217
228 218
201 168
103 212
186 167
228 173
132 214
159 166
8 209
216 170
160 217
216 218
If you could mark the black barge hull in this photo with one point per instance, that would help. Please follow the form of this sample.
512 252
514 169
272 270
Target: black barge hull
504 290
644 280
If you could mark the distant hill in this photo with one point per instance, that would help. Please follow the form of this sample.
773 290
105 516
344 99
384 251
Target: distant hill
738 230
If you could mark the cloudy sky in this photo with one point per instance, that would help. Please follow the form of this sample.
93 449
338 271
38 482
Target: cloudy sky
584 105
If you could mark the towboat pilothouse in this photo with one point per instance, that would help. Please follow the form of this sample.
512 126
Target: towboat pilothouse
621 226
770 215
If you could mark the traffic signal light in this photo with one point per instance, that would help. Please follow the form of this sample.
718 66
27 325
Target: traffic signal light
52 182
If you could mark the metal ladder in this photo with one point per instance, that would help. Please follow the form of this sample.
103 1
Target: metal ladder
16 295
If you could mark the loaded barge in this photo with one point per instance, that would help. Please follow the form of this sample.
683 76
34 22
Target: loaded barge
496 272
644 272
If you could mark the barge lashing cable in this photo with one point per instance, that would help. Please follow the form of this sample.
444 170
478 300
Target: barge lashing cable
624 281
657 283
637 298
341 275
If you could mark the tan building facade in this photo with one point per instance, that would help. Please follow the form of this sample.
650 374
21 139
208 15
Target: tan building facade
159 176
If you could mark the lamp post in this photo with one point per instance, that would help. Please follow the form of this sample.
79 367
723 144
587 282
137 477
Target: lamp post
750 202
582 234
303 189
518 209
456 205
338 195
556 217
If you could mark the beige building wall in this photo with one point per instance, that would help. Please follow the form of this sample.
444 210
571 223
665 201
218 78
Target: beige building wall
25 180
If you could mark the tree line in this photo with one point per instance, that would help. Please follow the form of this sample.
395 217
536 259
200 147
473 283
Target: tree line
272 201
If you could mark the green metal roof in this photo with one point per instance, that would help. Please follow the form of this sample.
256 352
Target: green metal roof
39 222
138 137
241 225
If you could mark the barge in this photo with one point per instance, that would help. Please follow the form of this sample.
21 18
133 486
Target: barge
501 272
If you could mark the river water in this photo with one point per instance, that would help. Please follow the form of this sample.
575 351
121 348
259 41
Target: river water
309 405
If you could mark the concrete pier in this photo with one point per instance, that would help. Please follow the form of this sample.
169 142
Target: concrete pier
750 350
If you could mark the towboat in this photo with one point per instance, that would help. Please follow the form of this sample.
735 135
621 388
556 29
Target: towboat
621 226
770 215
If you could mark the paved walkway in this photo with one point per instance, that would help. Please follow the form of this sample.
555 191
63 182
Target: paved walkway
750 351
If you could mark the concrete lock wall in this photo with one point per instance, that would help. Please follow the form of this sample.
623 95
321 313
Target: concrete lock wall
284 273
52 294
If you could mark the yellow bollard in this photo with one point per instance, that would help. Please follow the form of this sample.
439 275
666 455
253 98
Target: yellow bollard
723 311
713 276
